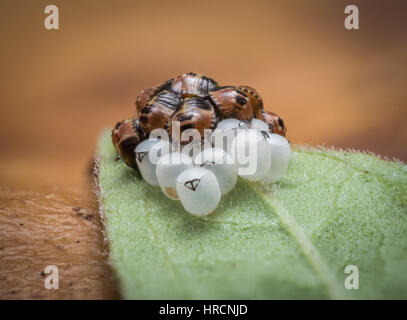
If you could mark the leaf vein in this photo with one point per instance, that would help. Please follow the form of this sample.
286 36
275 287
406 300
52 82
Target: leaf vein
310 252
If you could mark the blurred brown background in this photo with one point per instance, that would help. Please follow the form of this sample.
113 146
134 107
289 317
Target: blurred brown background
59 89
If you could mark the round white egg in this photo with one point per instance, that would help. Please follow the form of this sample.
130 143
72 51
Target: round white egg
148 153
198 191
226 130
252 154
168 169
259 125
221 164
280 157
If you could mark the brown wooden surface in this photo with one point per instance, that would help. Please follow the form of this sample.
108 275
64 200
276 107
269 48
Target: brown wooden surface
59 89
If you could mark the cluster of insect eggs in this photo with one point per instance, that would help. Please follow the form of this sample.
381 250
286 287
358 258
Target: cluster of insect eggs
197 102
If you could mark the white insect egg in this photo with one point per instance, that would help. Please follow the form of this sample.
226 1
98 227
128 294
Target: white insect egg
198 191
259 125
221 164
226 130
280 157
251 152
168 169
148 153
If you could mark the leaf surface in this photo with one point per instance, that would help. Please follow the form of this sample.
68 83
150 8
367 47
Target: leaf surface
288 240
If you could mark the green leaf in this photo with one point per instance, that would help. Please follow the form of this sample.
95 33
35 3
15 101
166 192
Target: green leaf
288 240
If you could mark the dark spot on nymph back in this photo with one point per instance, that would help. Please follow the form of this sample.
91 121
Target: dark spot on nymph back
185 117
143 119
281 123
240 100
146 110
187 126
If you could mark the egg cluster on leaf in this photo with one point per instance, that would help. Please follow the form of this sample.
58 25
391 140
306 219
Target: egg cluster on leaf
245 140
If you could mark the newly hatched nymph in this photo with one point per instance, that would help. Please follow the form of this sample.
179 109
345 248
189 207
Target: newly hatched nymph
232 103
192 84
195 113
255 100
275 122
126 135
157 112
